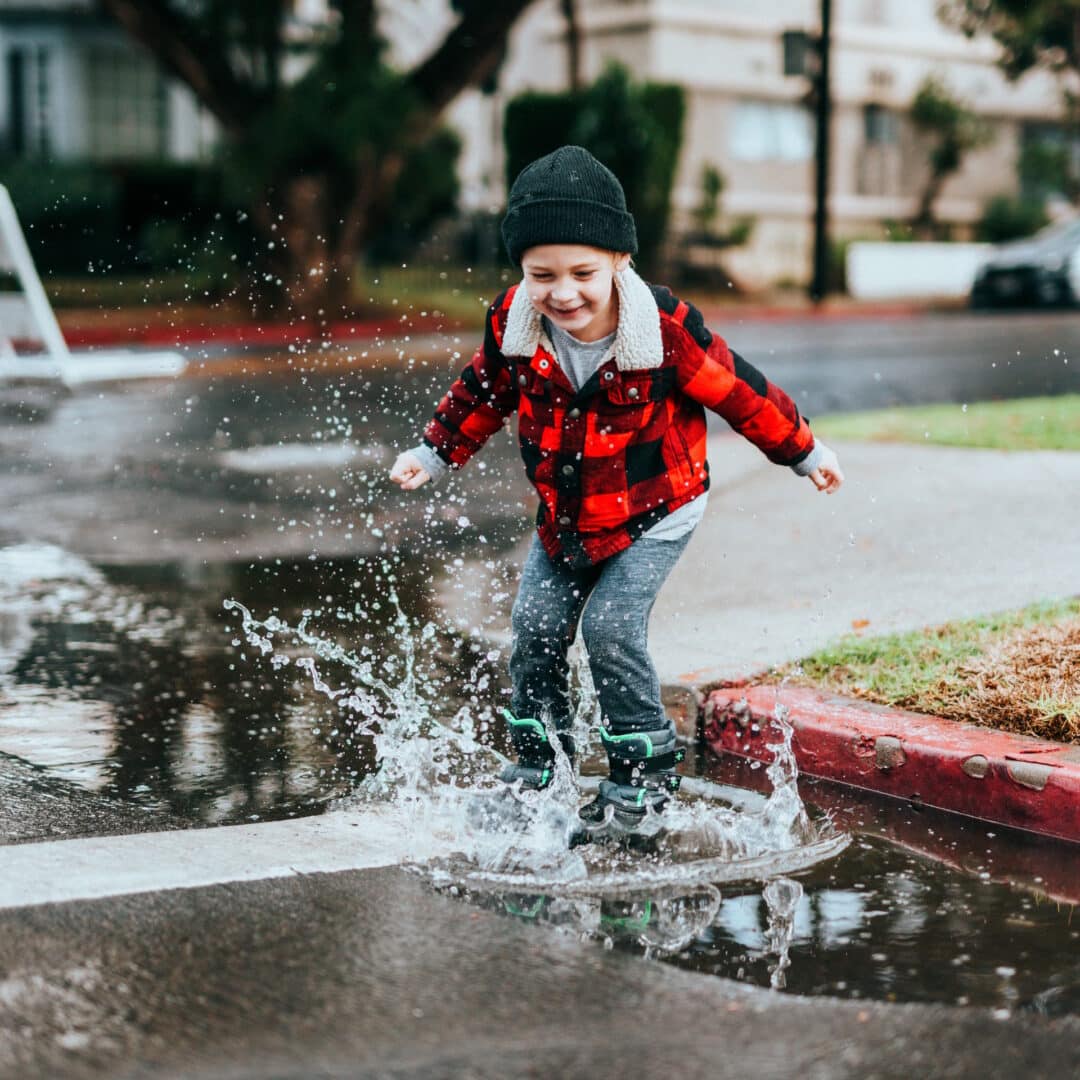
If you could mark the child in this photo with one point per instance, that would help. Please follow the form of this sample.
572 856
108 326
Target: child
610 378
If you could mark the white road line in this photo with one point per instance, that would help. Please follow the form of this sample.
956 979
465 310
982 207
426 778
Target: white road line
65 870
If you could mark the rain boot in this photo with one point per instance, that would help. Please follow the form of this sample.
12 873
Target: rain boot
534 770
642 780
535 766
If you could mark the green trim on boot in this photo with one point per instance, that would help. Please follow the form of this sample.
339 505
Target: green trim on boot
535 767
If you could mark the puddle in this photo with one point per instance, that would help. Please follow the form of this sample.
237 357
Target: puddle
125 683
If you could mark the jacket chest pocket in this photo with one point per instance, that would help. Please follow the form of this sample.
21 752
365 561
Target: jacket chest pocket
631 402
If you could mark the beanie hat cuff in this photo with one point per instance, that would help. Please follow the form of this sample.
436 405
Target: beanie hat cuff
568 221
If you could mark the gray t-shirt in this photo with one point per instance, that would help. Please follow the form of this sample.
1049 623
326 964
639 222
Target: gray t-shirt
578 359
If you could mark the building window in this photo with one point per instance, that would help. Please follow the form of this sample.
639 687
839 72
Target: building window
16 77
881 126
126 105
771 131
29 101
41 94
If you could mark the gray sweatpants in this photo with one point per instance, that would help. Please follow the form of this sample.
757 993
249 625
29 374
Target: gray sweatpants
617 598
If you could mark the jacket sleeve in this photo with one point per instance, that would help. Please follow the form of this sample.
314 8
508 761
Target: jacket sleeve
721 380
478 402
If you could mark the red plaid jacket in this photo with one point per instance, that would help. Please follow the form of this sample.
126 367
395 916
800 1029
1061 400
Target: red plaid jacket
613 459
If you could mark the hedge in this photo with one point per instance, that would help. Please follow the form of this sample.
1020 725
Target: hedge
633 128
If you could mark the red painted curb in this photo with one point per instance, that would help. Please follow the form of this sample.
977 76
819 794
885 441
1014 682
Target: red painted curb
251 333
995 776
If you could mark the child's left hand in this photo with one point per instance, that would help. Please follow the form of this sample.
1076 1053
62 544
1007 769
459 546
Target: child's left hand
828 476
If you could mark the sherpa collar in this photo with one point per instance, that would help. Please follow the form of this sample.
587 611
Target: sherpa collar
638 344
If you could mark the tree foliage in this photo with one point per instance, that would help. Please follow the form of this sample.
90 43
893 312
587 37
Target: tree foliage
1031 33
322 138
1008 218
951 130
634 128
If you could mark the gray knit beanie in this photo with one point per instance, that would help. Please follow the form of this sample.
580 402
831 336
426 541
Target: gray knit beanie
567 197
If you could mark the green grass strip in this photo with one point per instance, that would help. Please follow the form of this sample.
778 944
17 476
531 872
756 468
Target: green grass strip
1042 423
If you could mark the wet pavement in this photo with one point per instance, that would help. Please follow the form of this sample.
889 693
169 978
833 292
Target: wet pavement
871 364
374 974
128 701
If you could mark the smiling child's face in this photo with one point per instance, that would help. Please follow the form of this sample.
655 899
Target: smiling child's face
574 286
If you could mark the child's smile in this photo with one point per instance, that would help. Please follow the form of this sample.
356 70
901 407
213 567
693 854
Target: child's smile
574 286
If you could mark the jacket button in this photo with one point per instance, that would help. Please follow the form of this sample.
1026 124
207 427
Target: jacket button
568 470
573 414
544 364
608 376
632 392
523 380
564 520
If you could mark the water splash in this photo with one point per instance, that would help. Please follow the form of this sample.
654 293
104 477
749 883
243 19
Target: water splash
782 896
498 839
435 765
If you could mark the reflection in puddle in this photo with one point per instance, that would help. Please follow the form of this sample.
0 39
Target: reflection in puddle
658 923
875 924
123 681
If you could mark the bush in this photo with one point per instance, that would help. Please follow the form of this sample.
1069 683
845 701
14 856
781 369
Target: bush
1008 218
88 218
64 211
635 129
426 192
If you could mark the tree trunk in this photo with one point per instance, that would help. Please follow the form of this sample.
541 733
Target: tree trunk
924 226
300 276
313 229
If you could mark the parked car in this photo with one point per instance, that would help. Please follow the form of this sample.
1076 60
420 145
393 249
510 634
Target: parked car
1039 269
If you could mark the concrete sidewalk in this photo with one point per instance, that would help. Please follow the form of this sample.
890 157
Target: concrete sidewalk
918 535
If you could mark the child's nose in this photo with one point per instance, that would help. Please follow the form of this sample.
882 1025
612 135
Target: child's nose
564 290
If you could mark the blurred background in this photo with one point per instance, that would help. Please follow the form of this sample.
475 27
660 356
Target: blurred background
263 153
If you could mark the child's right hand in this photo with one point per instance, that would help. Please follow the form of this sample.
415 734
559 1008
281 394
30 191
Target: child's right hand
408 473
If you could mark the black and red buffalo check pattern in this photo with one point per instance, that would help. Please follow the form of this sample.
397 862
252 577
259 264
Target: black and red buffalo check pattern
613 459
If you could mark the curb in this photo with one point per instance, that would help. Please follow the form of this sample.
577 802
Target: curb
242 333
994 776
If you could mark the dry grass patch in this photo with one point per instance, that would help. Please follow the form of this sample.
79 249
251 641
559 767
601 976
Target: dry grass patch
1015 671
1029 682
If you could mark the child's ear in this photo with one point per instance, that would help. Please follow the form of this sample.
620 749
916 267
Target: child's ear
621 261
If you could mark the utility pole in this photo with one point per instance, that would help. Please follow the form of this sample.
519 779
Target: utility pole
822 110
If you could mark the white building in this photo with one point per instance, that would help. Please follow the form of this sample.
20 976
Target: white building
746 117
72 85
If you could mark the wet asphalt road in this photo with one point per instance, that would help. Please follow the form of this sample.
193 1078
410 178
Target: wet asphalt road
373 974
868 364
191 471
